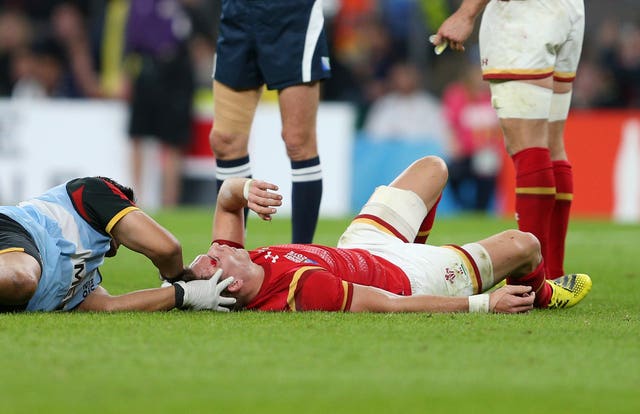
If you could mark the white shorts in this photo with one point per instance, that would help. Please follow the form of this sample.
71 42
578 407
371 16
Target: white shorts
387 225
531 39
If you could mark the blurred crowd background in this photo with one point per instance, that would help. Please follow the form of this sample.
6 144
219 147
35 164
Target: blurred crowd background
381 63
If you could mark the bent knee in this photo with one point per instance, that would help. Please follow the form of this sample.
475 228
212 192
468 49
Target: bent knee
434 166
527 243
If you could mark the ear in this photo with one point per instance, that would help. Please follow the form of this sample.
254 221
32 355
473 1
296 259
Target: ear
235 286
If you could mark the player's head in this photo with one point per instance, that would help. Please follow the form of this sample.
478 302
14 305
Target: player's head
127 191
236 262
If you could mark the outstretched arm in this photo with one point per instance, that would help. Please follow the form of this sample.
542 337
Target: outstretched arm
236 194
508 299
458 27
196 295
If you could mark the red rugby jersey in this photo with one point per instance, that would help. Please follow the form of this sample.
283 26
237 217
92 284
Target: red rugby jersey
302 277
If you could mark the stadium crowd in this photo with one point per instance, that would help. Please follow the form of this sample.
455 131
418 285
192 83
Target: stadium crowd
75 49
69 48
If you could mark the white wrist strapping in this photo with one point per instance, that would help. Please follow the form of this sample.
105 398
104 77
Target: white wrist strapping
245 189
479 303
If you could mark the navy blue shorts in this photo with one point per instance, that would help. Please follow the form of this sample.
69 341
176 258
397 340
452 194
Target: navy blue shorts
279 43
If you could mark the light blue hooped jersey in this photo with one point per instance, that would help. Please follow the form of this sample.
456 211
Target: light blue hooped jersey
71 248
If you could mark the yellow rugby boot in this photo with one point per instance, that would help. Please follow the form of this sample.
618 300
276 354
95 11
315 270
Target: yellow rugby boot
568 290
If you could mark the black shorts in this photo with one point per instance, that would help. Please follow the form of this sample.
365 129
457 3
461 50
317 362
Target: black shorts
14 236
162 100
278 42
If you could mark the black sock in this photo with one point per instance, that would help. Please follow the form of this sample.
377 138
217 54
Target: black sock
306 194
239 167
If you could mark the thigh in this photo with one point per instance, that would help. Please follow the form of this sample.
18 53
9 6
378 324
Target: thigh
296 27
570 50
298 109
392 211
520 39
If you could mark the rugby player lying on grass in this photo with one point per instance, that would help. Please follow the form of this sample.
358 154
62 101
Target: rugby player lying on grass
382 263
51 248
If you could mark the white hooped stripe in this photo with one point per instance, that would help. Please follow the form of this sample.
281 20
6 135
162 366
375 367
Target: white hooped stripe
316 22
239 171
312 173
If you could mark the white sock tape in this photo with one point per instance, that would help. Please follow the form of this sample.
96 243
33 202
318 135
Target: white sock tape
560 103
516 99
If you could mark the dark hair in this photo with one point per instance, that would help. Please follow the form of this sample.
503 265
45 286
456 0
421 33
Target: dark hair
127 191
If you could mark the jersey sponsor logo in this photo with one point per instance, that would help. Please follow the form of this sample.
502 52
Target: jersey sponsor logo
297 257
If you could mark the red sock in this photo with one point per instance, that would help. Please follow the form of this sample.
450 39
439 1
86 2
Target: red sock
554 255
535 192
427 224
537 281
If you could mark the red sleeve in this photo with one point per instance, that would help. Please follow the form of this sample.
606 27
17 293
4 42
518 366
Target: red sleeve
319 290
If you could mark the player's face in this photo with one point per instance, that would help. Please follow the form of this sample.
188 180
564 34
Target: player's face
233 262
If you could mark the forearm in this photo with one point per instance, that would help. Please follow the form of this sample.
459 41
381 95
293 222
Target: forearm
171 267
369 299
148 300
472 8
230 196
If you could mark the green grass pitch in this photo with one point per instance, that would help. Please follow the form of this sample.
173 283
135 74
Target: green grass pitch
580 360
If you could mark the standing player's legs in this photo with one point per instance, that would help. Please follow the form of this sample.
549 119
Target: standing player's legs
233 114
563 174
565 71
523 108
298 109
525 50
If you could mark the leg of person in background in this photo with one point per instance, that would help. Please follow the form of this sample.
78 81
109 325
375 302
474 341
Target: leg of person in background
171 175
526 138
298 109
554 255
233 115
137 162
485 190
459 174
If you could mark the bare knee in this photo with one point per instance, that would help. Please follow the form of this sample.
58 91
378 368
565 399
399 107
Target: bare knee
300 145
527 248
434 167
227 145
